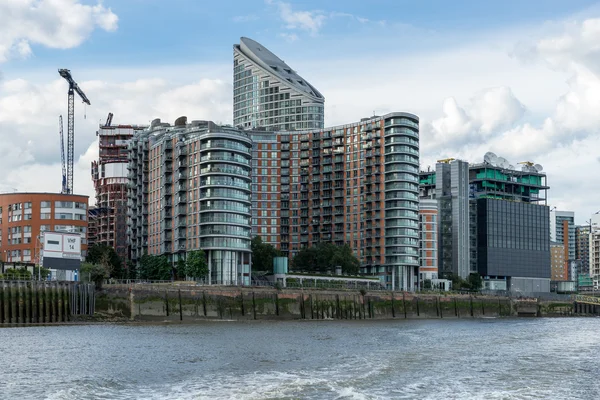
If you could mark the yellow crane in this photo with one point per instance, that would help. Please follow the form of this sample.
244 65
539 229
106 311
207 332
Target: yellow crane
528 163
446 160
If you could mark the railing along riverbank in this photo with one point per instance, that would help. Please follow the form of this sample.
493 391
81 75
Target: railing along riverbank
44 302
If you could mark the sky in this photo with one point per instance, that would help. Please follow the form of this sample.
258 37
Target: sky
519 78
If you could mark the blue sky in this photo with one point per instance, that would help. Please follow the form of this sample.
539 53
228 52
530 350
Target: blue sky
517 77
158 32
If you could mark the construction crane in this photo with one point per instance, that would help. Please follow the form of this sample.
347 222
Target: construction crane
73 87
109 119
446 160
528 163
62 155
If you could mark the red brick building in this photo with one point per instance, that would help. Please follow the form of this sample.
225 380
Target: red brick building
23 216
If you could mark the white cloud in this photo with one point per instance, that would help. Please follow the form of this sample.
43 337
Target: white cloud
310 21
566 141
52 23
290 37
29 140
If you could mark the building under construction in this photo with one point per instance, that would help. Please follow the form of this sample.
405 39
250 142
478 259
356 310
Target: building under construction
109 174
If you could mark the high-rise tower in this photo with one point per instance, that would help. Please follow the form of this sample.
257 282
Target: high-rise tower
269 93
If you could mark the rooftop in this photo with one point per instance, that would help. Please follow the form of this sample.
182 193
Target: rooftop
274 65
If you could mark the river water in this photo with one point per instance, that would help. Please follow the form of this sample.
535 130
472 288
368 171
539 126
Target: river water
429 359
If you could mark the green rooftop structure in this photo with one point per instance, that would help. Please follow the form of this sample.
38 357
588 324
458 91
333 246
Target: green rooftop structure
496 178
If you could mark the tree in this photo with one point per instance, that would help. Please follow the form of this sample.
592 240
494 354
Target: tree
305 260
262 255
179 269
325 257
196 266
96 273
17 273
155 268
131 272
102 254
475 281
427 284
40 272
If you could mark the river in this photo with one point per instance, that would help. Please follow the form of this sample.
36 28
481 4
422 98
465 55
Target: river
540 358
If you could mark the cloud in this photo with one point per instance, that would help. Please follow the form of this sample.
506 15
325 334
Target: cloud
29 140
488 112
58 24
290 37
565 141
310 21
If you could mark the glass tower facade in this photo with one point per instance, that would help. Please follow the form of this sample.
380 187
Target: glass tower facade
268 93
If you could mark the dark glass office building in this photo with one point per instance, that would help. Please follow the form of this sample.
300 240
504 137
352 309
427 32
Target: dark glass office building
512 239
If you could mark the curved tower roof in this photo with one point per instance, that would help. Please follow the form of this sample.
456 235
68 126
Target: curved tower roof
276 66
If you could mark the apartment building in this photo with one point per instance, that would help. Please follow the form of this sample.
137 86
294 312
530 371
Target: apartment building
428 243
25 216
190 189
355 184
557 262
110 177
269 93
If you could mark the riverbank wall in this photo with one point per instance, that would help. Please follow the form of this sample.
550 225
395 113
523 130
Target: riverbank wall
41 302
189 303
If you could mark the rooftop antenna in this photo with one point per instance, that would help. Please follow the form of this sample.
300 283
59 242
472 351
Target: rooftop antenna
490 158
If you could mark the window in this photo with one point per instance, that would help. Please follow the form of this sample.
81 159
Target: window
45 204
63 204
45 215
27 205
82 206
44 228
63 216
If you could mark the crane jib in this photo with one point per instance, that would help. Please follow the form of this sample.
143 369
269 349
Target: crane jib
73 87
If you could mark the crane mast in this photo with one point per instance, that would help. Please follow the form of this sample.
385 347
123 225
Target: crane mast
62 155
73 87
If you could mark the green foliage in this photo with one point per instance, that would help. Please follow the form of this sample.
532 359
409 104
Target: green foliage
96 273
180 269
475 281
196 266
325 257
107 256
131 271
156 268
40 272
262 255
427 284
17 274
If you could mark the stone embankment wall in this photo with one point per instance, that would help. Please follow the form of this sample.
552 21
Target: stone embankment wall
187 303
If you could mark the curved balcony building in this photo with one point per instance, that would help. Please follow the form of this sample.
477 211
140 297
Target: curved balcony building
224 206
269 93
401 175
355 184
197 185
